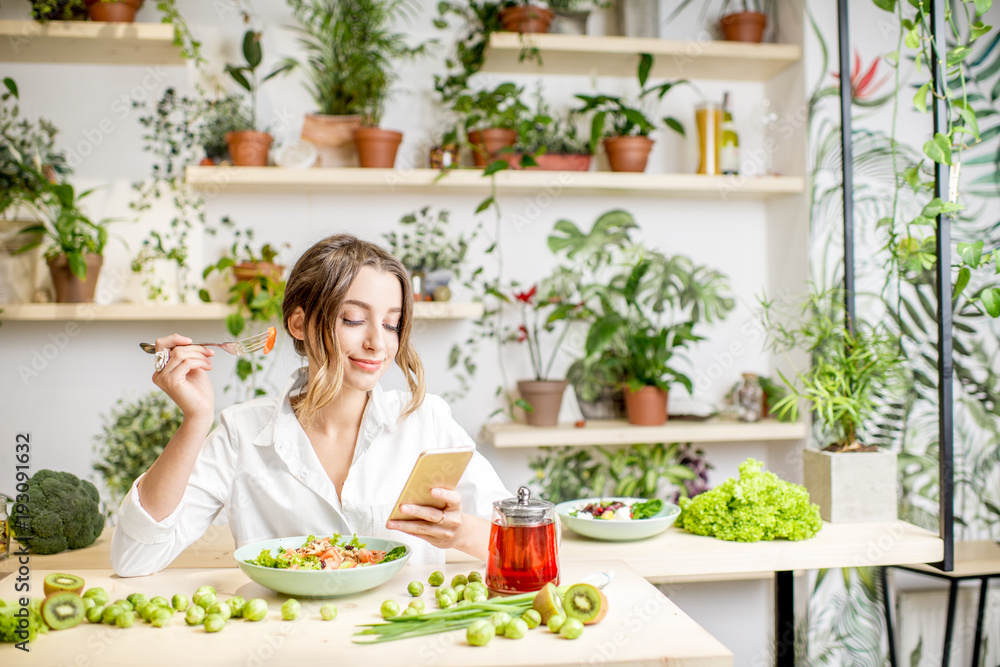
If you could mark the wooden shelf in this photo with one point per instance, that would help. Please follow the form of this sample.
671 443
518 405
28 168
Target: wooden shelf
619 56
280 180
129 312
620 432
87 42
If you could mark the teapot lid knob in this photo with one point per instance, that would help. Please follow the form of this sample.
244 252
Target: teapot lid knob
523 495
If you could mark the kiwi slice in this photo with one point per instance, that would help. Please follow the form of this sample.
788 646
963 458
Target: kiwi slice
585 603
58 582
63 610
548 603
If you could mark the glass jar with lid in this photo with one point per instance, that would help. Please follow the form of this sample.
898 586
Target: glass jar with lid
523 549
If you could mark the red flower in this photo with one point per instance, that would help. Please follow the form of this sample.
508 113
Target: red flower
522 334
863 86
525 297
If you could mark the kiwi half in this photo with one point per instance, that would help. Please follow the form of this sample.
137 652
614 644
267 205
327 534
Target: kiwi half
57 582
585 603
548 603
63 610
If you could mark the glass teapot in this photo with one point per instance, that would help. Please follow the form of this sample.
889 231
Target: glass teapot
524 549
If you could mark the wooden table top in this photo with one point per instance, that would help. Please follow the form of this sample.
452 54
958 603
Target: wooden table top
643 627
674 556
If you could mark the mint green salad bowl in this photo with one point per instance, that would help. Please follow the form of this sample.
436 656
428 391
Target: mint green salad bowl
319 583
617 531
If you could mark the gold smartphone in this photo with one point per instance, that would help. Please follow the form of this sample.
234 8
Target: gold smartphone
434 469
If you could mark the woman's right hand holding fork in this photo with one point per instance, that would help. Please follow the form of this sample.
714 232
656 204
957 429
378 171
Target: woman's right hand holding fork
185 377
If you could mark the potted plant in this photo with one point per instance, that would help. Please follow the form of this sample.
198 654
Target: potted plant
853 371
134 434
58 10
161 267
429 253
350 47
491 117
570 16
599 263
113 11
255 292
541 311
739 20
249 146
524 17
551 142
215 120
75 252
625 128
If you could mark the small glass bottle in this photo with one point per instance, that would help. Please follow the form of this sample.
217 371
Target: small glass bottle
4 529
729 145
750 399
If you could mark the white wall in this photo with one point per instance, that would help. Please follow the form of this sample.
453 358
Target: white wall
77 378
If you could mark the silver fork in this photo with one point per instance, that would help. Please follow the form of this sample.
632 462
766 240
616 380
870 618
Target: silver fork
237 347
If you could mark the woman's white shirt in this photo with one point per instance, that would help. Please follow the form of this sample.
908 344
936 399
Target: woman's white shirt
259 466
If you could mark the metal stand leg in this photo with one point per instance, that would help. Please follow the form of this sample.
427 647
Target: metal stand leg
949 629
978 639
784 619
887 608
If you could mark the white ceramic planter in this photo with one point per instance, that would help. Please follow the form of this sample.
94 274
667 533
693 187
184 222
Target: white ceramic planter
852 487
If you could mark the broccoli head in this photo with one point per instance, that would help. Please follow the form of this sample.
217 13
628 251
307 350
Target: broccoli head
63 512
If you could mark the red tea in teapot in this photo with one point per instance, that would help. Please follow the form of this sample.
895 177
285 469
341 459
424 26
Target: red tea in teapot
522 558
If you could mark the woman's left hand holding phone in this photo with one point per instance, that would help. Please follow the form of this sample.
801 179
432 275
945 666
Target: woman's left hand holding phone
447 528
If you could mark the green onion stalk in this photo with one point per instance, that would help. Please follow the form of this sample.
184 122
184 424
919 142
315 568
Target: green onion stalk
445 620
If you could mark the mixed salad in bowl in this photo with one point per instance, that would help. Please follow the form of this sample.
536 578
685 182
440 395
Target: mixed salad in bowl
326 553
619 510
618 518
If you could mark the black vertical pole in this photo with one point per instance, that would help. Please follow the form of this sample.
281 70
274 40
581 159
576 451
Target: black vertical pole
946 472
784 619
847 159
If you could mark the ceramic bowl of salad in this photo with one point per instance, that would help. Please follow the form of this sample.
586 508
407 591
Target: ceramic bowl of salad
307 566
618 519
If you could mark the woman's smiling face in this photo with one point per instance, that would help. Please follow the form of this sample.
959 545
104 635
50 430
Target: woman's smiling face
367 327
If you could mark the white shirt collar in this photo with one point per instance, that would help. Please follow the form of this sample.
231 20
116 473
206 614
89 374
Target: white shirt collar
378 415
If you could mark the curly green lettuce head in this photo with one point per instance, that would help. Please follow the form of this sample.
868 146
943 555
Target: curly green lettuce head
757 505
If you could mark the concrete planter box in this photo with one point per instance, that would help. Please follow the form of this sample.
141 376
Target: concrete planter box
850 487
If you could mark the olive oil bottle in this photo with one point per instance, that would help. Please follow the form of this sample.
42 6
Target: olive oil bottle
729 144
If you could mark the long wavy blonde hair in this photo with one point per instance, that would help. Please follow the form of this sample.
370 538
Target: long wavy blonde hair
318 284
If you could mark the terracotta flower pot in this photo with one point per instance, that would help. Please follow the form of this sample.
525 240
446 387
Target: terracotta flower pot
245 271
744 27
544 397
490 142
377 147
646 407
333 137
562 162
69 288
248 148
526 19
628 153
113 12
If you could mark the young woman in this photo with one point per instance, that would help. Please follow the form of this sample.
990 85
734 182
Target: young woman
331 452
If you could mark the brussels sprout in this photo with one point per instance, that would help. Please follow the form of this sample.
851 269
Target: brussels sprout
222 609
205 599
195 615
476 592
389 609
410 611
532 618
179 602
500 620
124 604
236 604
160 600
125 619
110 613
161 616
328 612
480 633
99 595
95 614
459 590
418 605
436 578
290 609
135 598
146 611
459 579
205 589
255 609
475 577
415 588
515 629
555 622
571 628
214 623
88 603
